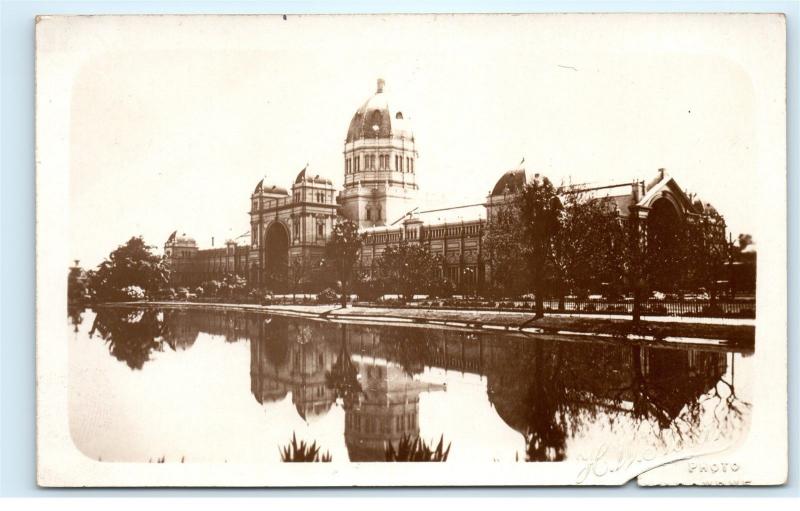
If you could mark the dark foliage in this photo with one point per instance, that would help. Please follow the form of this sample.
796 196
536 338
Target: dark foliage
131 264
414 449
302 452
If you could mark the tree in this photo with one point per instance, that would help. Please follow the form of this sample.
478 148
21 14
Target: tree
504 243
342 252
634 262
742 264
588 244
298 272
131 264
234 285
408 268
540 208
706 252
744 241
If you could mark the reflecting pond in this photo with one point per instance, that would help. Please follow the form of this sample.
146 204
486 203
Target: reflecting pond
215 386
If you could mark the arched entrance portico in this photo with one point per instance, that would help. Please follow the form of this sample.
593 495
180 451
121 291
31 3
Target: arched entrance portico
665 243
276 257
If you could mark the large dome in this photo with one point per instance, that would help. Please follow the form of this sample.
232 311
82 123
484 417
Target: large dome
379 117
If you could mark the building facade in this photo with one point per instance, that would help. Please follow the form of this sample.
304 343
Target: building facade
290 227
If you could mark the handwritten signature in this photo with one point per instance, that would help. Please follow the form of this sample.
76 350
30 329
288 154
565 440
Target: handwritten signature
604 460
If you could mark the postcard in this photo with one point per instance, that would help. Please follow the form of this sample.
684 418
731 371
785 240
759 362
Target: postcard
411 250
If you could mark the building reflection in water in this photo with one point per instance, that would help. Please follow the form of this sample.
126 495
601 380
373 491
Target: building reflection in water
288 356
388 408
546 388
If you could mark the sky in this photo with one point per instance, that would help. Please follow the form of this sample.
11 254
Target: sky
174 120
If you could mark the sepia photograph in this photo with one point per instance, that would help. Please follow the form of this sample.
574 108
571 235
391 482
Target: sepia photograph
528 249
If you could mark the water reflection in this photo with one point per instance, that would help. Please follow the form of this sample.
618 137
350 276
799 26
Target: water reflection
551 391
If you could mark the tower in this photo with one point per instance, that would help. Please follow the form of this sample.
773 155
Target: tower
379 163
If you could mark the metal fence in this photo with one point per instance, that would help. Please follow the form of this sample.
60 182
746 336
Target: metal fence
727 308
686 308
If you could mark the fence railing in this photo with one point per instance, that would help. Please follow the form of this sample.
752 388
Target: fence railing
728 308
696 308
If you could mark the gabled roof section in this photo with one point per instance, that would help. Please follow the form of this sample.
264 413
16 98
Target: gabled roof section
666 184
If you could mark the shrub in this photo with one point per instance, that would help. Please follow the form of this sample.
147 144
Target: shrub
441 288
182 293
212 287
327 295
133 292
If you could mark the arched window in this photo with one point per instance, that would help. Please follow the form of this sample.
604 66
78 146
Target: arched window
379 213
369 214
399 115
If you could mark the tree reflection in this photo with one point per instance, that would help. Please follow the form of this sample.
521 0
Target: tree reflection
409 347
131 335
75 314
546 432
342 377
661 393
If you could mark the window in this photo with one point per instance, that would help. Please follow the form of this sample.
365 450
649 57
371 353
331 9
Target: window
357 159
379 213
411 165
369 214
321 231
297 228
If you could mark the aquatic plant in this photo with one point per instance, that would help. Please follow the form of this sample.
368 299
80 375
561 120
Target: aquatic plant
415 449
302 452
